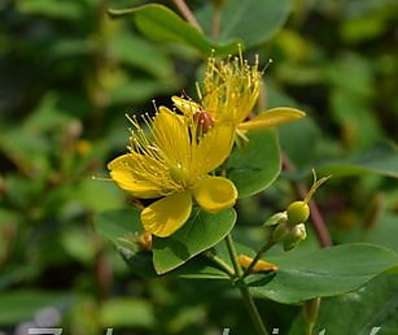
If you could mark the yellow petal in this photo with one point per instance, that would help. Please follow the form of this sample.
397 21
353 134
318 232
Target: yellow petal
121 171
213 149
187 107
214 194
172 137
166 215
272 118
260 266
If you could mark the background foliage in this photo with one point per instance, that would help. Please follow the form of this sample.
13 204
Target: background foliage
68 75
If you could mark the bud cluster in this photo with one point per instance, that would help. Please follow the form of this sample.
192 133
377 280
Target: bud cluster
289 226
286 231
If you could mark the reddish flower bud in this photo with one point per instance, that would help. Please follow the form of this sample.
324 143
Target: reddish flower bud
204 120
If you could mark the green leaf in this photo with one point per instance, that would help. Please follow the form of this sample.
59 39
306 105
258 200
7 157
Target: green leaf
296 137
253 21
201 232
162 24
79 244
384 232
47 116
22 305
382 160
353 74
150 58
358 121
255 166
70 47
118 224
200 268
127 312
122 226
65 9
97 195
13 275
140 89
326 272
374 305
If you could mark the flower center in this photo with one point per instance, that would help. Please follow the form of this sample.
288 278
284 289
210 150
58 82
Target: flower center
179 174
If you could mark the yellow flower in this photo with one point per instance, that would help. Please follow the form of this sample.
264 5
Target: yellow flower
229 93
171 160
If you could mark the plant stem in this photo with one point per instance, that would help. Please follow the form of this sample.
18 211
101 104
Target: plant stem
187 14
310 328
311 311
233 255
220 262
317 221
253 311
247 298
259 254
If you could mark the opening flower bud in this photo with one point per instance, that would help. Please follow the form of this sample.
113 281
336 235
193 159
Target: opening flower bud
297 234
145 241
261 265
298 212
276 219
280 232
204 120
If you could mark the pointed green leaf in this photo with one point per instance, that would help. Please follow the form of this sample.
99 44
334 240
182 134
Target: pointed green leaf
162 24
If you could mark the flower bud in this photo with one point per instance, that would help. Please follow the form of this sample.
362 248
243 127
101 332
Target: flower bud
297 234
276 219
298 212
145 241
261 265
280 232
204 120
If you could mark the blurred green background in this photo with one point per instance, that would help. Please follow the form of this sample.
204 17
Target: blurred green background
69 74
